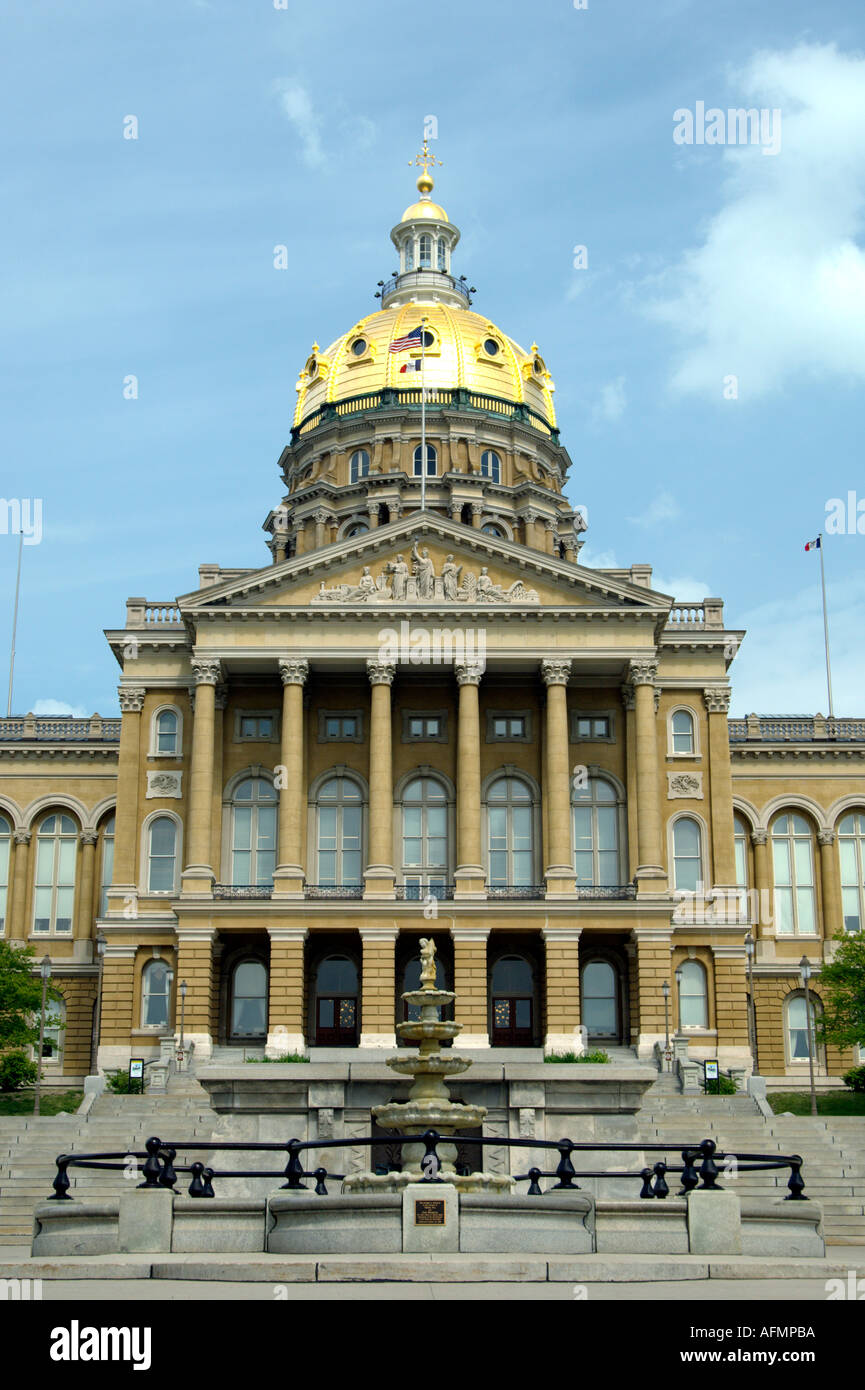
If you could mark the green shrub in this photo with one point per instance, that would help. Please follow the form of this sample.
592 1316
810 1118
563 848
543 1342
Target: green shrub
727 1087
855 1078
286 1057
593 1058
118 1082
16 1071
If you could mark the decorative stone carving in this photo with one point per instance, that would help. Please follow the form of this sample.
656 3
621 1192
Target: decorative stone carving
163 784
322 517
684 784
205 672
22 837
89 837
469 673
293 671
643 671
221 697
396 583
629 699
759 837
527 1123
825 837
717 698
131 698
380 672
555 671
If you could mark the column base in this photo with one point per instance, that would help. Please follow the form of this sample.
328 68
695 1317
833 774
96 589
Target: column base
289 882
560 881
470 883
378 883
651 880
197 881
280 1043
377 1040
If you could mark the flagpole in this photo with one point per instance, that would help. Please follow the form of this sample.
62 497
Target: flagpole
15 621
422 418
826 627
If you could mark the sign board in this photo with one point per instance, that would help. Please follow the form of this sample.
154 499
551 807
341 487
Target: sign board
711 1071
136 1068
429 1212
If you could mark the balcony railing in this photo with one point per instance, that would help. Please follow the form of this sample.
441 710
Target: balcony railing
437 398
420 893
516 890
334 890
243 890
601 892
795 728
59 728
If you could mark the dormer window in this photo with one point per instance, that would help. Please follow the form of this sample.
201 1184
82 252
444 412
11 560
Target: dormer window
359 347
491 347
359 465
491 465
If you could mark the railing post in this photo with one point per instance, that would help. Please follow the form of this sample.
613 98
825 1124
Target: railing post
796 1182
565 1170
690 1176
534 1185
196 1187
294 1168
660 1188
61 1182
168 1177
152 1168
646 1189
708 1168
320 1174
430 1163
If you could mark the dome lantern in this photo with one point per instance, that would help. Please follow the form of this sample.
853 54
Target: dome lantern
425 238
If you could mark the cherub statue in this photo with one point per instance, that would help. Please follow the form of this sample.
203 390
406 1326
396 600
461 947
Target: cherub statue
427 961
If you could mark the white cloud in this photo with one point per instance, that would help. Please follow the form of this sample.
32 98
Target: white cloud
297 105
612 404
663 507
49 706
683 588
777 288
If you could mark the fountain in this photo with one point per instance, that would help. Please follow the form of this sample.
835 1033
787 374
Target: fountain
429 1105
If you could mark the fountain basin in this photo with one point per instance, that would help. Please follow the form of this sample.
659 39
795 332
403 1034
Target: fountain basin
421 1029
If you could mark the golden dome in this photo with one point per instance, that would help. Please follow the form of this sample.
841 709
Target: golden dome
468 351
425 207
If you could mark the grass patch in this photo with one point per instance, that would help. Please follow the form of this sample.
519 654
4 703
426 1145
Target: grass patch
286 1057
592 1058
50 1102
833 1103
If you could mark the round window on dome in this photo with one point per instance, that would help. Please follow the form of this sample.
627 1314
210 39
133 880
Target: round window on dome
312 366
428 339
491 347
538 366
359 346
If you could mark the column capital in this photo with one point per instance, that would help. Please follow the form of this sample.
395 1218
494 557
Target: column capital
477 508
717 698
206 671
825 837
381 672
629 696
89 837
293 671
469 672
22 837
759 837
555 671
321 516
643 671
131 698
187 936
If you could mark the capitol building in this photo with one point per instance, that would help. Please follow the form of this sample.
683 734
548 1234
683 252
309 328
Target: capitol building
424 716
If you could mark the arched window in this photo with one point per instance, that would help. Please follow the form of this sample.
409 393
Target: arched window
253 832
336 1002
155 994
357 528
512 1002
52 1037
595 822
162 855
425 251
687 855
107 870
600 999
359 465
693 996
249 1000
442 254
340 833
796 1029
5 842
424 838
431 461
793 865
491 465
165 732
56 845
408 253
490 529
851 847
740 847
510 833
682 731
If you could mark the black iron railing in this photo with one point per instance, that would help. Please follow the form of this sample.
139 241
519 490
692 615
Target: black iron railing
441 398
160 1170
243 890
620 892
516 890
419 893
334 890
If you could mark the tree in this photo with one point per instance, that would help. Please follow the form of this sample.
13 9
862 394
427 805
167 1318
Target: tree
842 990
20 996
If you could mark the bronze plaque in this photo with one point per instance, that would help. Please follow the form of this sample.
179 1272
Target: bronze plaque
429 1213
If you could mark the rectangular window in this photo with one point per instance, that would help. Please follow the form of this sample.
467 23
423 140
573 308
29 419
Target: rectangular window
256 726
509 726
340 726
423 727
590 726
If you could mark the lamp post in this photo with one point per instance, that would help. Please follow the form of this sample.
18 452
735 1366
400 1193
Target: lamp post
183 989
679 998
45 972
752 1008
97 1015
805 970
665 990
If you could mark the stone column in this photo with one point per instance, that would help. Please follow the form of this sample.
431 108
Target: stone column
118 992
550 535
198 874
378 991
470 874
764 917
288 878
372 513
830 879
321 519
285 1022
629 703
16 922
300 536
379 874
123 892
721 790
652 969
471 1007
477 513
84 912
560 876
563 989
456 512
731 1005
651 875
195 966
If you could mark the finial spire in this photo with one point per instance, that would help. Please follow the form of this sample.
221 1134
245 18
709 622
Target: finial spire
425 181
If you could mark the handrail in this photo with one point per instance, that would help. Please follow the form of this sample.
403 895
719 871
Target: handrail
159 1169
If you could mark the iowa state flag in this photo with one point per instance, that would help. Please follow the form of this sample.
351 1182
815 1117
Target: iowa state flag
813 545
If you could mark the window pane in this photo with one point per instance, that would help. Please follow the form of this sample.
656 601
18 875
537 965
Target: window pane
781 862
805 906
784 911
242 827
336 975
512 975
332 728
686 835
802 859
65 897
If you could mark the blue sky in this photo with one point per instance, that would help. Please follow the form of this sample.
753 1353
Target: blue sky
261 126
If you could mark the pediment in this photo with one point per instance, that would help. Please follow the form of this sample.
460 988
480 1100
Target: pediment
425 562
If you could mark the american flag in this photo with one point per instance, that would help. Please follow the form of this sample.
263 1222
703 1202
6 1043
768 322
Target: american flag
412 340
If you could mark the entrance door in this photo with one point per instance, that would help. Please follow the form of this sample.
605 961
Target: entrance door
336 1003
249 1000
600 1003
513 1003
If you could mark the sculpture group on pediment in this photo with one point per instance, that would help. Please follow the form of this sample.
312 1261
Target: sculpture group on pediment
399 583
